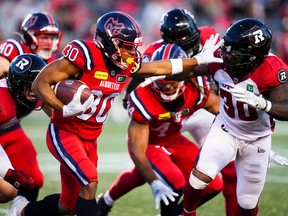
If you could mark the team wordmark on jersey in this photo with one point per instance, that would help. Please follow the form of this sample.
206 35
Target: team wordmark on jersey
110 85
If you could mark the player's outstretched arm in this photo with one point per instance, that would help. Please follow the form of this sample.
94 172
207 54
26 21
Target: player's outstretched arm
175 66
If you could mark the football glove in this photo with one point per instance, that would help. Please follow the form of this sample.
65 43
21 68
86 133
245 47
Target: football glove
206 55
162 192
75 107
20 180
278 159
251 99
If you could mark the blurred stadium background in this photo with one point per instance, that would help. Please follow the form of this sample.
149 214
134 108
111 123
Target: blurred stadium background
77 20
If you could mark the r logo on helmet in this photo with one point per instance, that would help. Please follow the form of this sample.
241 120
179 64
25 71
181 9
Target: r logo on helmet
23 65
256 36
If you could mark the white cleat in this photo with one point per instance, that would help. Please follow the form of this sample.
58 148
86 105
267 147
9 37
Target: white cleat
17 205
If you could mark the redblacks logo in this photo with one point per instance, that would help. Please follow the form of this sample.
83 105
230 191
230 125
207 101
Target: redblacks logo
114 26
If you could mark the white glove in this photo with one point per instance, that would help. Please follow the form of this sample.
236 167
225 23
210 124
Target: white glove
75 107
206 56
162 192
251 99
278 159
149 80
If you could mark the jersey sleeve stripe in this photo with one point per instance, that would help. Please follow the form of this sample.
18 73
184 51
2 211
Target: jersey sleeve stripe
88 59
138 105
18 46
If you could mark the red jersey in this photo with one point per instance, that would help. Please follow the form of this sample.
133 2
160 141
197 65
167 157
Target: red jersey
11 48
8 114
105 80
144 107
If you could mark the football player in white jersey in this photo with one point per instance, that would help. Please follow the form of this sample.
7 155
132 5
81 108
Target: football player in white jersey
253 90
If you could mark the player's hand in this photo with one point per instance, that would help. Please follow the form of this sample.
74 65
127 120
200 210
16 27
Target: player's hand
20 180
75 107
278 159
206 56
162 192
251 99
149 80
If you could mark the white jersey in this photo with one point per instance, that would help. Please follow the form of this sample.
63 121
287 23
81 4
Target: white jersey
243 121
235 114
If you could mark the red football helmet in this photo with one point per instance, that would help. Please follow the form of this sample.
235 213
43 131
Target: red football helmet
168 90
41 33
116 32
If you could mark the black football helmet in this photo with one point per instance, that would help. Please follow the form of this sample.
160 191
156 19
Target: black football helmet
159 87
114 31
41 23
22 72
179 26
246 43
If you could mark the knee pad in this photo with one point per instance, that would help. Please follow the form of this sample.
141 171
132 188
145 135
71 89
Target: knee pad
247 202
197 183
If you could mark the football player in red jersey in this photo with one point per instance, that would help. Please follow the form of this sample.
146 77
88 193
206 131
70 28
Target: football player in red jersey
163 157
253 90
17 101
179 26
39 34
105 65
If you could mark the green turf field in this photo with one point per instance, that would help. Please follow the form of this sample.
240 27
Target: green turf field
113 159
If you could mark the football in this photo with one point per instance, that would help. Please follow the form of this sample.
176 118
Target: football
66 89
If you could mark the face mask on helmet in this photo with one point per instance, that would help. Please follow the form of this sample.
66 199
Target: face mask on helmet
119 36
22 72
168 90
246 44
179 26
41 33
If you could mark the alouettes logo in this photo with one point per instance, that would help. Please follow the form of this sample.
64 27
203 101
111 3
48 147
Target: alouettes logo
113 26
31 21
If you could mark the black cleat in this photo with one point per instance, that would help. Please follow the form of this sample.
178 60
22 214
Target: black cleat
102 208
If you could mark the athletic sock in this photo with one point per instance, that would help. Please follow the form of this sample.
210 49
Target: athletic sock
46 207
86 207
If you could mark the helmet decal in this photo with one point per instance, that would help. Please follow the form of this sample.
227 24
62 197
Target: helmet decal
257 37
23 64
113 26
30 22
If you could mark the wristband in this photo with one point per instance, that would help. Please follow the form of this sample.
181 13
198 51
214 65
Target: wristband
268 106
177 66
